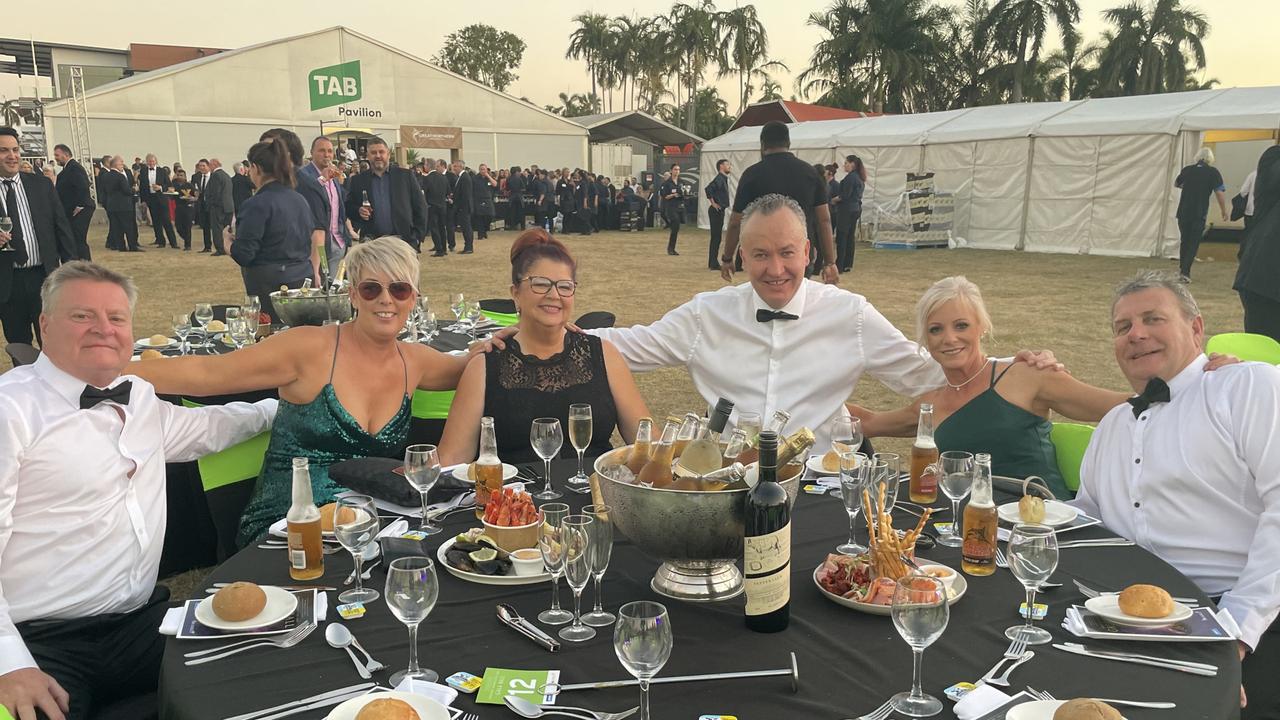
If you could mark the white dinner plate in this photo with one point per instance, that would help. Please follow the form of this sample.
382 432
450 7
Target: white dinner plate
957 590
1108 606
1056 514
486 579
1038 710
814 464
280 605
146 343
280 529
426 708
460 472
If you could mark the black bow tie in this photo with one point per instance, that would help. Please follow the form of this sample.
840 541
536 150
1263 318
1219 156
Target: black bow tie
767 315
118 394
1156 391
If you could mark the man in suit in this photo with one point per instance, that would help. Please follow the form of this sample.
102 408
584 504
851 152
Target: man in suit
436 188
117 190
198 182
101 170
241 185
461 189
321 168
153 182
39 241
717 192
396 204
515 194
218 204
77 202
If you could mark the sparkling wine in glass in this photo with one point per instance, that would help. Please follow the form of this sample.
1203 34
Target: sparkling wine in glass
575 535
355 524
956 482
846 436
422 469
182 328
204 316
412 590
920 614
1033 556
546 437
551 545
6 227
601 551
580 438
855 474
642 640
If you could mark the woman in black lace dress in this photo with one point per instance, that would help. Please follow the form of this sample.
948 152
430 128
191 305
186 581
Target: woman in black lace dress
544 367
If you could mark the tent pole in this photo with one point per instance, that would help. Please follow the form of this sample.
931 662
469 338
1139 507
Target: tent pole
1168 182
1026 195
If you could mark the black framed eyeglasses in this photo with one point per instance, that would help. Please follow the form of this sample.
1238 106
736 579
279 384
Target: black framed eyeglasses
542 285
371 290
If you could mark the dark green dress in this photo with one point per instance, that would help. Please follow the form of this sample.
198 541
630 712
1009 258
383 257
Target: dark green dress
1017 440
325 433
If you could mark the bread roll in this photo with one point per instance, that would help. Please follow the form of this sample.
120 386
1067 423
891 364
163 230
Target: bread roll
1145 601
217 326
326 516
387 709
157 340
1086 709
1031 509
831 461
239 601
151 355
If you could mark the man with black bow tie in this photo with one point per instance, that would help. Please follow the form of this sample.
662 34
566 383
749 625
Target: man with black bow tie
82 489
1190 468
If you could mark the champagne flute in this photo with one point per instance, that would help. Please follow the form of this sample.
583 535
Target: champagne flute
355 524
182 328
855 473
546 438
430 326
473 316
642 640
846 435
250 316
601 550
1033 556
412 591
6 227
884 475
575 535
232 314
957 481
920 614
422 469
580 438
204 316
551 544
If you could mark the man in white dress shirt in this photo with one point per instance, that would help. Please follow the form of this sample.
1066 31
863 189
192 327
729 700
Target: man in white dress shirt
1190 468
82 502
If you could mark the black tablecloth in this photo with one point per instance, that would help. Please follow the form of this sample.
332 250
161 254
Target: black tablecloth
849 662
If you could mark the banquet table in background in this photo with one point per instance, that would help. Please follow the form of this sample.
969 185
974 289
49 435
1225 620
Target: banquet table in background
849 662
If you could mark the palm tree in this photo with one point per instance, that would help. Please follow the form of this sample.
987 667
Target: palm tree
770 90
1026 22
1069 70
1152 48
587 42
694 32
744 49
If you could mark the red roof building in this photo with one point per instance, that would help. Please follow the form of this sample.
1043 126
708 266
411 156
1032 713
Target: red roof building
790 111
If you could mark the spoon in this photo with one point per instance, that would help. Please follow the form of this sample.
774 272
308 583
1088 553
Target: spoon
525 708
338 636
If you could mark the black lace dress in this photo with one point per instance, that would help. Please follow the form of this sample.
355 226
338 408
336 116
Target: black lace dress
520 388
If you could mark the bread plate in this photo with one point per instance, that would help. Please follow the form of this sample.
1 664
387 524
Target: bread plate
426 708
146 343
481 578
280 605
955 591
814 463
460 472
1056 514
1108 606
1038 710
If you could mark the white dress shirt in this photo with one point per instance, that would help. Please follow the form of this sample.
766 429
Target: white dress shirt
23 216
1196 481
807 366
1246 189
82 493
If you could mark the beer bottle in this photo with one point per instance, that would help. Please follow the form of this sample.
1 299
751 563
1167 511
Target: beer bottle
488 467
688 432
978 553
924 460
643 445
777 423
657 471
767 546
306 552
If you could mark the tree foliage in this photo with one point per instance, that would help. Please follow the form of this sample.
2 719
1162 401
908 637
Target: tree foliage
484 54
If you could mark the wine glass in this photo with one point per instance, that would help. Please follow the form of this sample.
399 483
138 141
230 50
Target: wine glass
1033 556
422 469
473 315
238 330
232 314
204 316
412 591
355 524
249 314
551 544
429 325
546 437
884 475
6 227
920 614
957 480
458 303
580 438
846 435
182 328
855 472
601 550
642 639
575 536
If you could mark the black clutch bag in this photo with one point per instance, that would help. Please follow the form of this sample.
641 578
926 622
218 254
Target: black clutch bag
383 479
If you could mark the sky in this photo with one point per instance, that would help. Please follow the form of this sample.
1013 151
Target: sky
1240 48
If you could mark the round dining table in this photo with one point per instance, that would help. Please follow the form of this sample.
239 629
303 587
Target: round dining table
849 662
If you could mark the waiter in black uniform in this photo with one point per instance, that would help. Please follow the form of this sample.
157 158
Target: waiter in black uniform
672 206
77 203
717 192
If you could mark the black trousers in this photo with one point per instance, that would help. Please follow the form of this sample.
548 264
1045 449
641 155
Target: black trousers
1261 316
158 206
111 230
183 218
80 231
516 213
125 228
435 226
846 229
673 223
481 224
215 228
1259 672
717 230
100 659
20 314
1191 230
206 231
455 219
262 280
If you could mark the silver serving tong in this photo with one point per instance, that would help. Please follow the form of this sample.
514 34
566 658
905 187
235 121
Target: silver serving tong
512 619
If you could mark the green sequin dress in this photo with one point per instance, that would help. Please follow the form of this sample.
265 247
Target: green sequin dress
325 433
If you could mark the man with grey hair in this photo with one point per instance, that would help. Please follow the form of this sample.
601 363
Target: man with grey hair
153 183
1190 468
218 204
71 642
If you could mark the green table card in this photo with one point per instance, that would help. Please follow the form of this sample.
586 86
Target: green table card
529 684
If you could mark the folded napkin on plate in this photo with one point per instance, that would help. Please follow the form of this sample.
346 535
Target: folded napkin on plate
377 478
1074 624
980 701
172 621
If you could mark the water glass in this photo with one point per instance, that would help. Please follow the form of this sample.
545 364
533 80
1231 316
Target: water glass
546 437
957 480
458 304
355 524
1033 556
920 614
429 326
575 537
473 316
846 436
642 639
601 550
551 545
251 305
238 331
412 591
182 328
422 469
250 314
204 315
855 474
580 438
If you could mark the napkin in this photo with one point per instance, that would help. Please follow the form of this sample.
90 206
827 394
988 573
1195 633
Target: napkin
980 701
442 694
1073 623
394 529
172 621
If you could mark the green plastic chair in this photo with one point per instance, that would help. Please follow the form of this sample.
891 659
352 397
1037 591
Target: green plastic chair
237 463
4 714
1069 443
432 404
1246 346
503 319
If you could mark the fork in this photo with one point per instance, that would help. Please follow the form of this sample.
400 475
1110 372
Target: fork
879 713
1001 560
293 638
1015 650
328 549
371 665
1042 695
469 716
1092 593
1003 680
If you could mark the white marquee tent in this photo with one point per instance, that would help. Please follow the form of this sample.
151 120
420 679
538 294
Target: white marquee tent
1087 176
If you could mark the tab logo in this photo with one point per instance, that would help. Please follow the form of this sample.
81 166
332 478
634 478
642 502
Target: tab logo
335 85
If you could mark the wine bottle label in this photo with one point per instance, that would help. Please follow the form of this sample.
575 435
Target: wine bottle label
768 571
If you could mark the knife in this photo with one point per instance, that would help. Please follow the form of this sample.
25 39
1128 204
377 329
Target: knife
1168 665
343 692
1117 653
509 617
316 705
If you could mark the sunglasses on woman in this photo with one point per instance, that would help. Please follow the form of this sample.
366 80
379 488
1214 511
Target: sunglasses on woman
542 285
371 290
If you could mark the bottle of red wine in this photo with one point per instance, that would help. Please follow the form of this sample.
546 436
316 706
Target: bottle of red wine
767 546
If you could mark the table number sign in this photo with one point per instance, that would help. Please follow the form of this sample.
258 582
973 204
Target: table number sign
528 684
